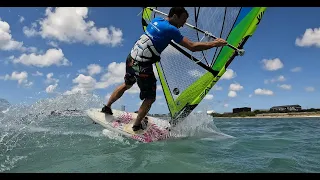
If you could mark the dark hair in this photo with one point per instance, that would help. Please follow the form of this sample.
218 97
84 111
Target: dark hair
178 11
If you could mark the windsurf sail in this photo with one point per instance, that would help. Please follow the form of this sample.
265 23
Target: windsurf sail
186 77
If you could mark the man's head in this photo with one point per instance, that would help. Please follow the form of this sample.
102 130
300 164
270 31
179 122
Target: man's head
178 16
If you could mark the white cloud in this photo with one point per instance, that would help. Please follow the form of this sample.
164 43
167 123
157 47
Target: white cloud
208 97
296 69
226 105
310 89
280 78
235 87
51 88
51 57
84 85
29 32
21 77
69 24
115 74
311 37
285 86
272 64
21 19
50 79
94 69
7 43
37 74
260 91
250 95
229 74
232 94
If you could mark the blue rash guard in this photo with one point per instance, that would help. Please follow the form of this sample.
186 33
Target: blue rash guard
161 32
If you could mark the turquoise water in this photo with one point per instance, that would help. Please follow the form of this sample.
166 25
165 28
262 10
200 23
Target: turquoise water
71 143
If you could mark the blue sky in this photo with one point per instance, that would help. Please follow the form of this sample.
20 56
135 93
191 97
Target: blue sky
49 51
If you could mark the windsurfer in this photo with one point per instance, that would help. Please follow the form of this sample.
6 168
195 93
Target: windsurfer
146 51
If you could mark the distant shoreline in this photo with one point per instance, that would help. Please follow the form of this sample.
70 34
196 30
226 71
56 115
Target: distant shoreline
278 115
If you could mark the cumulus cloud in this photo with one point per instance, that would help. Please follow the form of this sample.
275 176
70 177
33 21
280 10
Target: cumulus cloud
21 77
114 75
37 74
71 25
235 87
311 37
232 94
229 74
272 64
21 19
7 43
266 92
285 86
51 57
51 88
85 84
280 78
50 79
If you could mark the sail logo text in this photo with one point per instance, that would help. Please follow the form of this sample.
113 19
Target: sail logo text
206 91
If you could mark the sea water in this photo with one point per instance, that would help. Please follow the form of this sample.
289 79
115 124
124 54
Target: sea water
34 139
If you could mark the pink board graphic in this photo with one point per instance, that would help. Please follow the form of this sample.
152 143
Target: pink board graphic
122 123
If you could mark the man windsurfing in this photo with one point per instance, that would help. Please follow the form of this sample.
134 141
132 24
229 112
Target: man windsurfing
146 51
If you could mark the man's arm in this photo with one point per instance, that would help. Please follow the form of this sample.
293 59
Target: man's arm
200 46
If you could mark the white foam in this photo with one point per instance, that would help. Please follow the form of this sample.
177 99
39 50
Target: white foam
115 136
197 125
9 162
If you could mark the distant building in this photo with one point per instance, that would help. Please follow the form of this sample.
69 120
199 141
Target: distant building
123 108
242 109
286 108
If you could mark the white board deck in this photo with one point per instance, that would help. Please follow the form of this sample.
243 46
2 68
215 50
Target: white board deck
122 122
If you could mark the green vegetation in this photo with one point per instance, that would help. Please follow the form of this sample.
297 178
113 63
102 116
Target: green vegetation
241 114
256 112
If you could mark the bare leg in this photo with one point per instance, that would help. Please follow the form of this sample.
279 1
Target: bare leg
143 110
117 93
